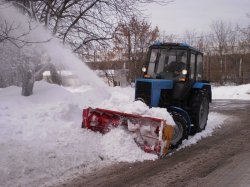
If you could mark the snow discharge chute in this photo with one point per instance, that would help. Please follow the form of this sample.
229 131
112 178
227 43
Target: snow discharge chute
153 135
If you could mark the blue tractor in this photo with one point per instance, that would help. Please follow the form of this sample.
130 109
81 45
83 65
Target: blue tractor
173 79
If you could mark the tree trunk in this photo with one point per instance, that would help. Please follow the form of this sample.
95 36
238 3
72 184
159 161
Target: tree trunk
28 81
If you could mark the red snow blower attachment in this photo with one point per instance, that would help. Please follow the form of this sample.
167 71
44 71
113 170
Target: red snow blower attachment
153 135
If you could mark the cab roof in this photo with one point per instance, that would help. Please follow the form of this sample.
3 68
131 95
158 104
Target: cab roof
174 45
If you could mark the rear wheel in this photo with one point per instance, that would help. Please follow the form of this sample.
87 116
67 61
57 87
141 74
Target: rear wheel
199 111
180 130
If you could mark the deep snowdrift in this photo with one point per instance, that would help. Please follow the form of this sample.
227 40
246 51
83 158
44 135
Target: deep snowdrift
41 135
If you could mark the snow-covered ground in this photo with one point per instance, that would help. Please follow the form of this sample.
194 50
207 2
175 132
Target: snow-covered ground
241 92
215 120
41 137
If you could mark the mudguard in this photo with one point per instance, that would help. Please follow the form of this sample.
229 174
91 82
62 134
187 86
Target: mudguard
200 85
207 86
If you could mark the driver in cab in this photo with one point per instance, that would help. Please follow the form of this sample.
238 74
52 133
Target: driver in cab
175 67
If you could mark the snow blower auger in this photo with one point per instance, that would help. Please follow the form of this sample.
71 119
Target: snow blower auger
153 135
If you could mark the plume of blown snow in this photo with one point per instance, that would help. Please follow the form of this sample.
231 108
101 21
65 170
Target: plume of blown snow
52 49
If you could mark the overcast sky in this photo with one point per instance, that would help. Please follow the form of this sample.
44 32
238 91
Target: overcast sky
197 15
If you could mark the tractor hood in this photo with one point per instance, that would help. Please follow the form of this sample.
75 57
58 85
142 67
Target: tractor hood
149 90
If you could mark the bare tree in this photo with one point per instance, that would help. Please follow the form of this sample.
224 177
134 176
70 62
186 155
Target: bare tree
221 34
19 58
83 24
132 41
190 37
164 37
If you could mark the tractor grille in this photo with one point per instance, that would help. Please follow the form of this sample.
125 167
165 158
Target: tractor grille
143 91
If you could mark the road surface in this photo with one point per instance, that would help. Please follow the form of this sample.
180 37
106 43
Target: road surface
220 160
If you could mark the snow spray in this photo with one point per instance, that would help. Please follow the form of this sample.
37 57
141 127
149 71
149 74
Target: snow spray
59 54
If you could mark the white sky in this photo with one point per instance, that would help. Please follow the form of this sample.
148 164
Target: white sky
197 15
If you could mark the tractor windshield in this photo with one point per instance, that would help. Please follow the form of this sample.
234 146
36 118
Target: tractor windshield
167 63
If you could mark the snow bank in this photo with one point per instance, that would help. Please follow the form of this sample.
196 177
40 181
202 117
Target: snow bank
118 145
241 92
41 138
215 120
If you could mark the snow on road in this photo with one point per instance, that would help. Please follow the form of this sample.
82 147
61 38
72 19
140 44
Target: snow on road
215 120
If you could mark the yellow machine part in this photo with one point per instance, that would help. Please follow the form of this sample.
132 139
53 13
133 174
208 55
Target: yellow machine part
167 135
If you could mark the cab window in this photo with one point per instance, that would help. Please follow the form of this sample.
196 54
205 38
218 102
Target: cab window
151 65
199 68
192 66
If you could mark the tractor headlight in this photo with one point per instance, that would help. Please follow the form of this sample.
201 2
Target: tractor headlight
184 72
144 69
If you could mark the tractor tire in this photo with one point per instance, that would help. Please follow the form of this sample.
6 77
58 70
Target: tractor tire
199 111
180 129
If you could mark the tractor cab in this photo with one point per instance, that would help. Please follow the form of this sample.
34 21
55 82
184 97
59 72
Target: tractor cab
172 72
173 61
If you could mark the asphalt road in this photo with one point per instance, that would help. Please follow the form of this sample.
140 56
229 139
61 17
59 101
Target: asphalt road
220 160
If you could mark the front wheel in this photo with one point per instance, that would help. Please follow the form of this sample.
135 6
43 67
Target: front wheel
180 129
